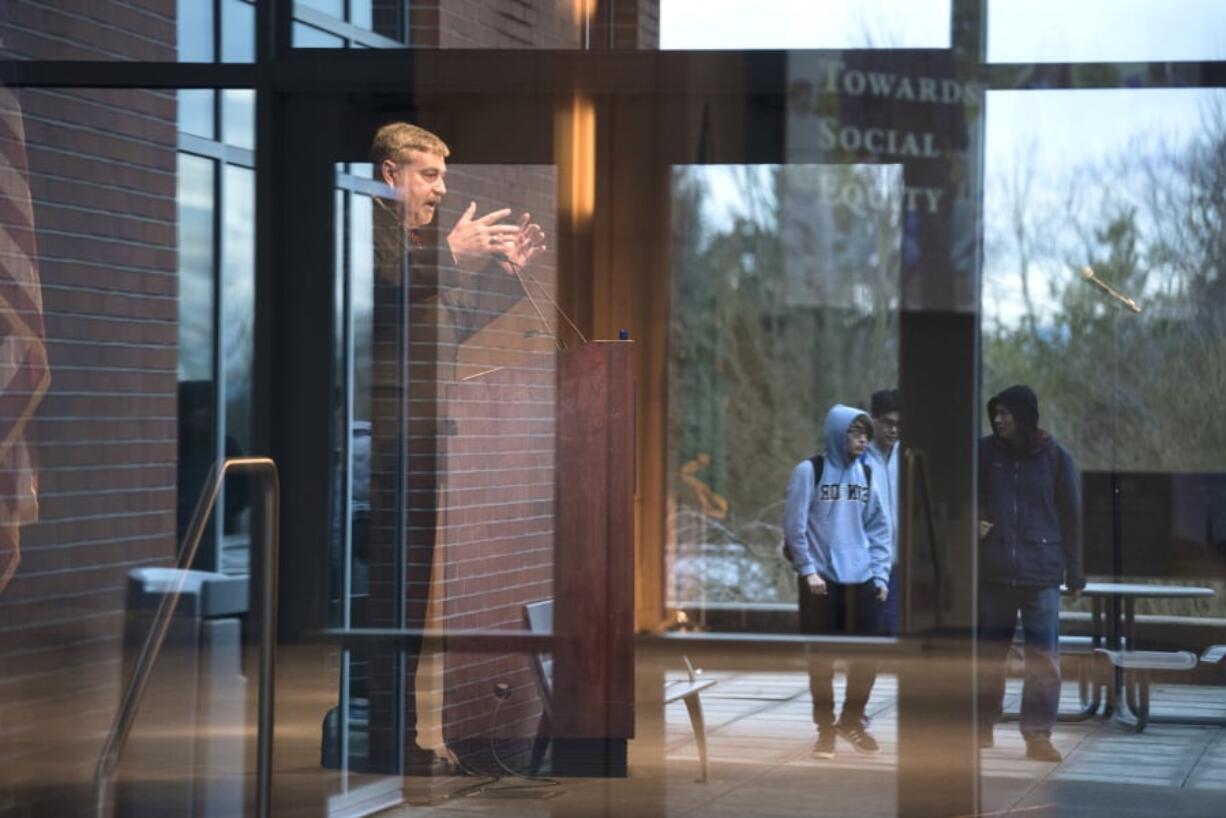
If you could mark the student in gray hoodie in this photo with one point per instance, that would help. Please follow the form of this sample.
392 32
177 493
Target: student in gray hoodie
838 539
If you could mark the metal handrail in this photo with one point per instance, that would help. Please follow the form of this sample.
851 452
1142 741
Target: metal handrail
130 703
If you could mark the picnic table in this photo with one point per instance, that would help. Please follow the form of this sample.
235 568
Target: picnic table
1113 636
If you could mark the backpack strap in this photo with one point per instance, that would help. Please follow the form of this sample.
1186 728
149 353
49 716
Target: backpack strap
818 464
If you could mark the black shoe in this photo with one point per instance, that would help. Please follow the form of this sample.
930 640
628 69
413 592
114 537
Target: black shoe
824 748
1041 749
858 735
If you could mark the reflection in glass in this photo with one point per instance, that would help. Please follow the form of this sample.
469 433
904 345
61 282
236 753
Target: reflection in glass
237 31
333 7
1133 205
360 13
196 112
195 215
238 302
1105 30
771 264
237 350
310 37
1127 191
197 448
195 30
792 24
238 117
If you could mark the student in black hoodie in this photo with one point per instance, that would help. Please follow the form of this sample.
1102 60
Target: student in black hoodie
1030 542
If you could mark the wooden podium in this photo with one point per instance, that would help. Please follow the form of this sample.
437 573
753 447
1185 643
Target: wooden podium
593 672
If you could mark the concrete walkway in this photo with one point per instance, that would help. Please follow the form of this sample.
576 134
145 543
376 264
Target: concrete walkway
760 739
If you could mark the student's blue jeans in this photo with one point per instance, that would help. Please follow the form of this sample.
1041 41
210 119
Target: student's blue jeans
999 605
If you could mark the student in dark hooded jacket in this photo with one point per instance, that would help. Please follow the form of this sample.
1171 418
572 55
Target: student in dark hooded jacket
1030 542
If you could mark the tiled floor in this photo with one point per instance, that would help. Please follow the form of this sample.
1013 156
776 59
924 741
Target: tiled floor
760 739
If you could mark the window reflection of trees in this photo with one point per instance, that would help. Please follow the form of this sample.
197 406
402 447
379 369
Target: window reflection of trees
1137 392
1152 222
785 296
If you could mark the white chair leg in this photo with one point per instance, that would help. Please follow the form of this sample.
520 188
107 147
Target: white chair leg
694 705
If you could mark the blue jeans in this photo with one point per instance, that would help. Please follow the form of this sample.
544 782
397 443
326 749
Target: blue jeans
999 605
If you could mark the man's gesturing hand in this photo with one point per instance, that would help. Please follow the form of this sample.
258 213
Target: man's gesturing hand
522 247
473 239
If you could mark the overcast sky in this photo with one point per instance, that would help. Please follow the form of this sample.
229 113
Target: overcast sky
1018 30
1065 129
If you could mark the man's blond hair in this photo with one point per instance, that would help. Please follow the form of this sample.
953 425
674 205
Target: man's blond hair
395 139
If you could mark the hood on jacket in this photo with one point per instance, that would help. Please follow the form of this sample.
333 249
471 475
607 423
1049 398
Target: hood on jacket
834 434
1022 403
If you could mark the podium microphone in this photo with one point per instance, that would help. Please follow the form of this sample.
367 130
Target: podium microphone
1089 275
520 274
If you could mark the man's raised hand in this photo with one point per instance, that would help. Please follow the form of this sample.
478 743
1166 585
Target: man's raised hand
474 238
526 243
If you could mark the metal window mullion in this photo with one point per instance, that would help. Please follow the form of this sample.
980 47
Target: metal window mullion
219 255
213 149
217 38
343 721
346 505
347 430
219 389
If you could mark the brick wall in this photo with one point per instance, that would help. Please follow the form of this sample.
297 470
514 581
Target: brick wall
89 29
499 522
102 180
501 24
527 24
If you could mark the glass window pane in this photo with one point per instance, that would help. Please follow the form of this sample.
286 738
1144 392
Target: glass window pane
238 301
195 199
334 7
1116 188
196 112
771 262
360 13
237 31
489 24
195 30
106 259
238 117
311 37
1103 292
795 24
237 350
1105 30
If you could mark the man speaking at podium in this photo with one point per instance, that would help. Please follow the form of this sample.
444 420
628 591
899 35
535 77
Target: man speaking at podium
430 296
